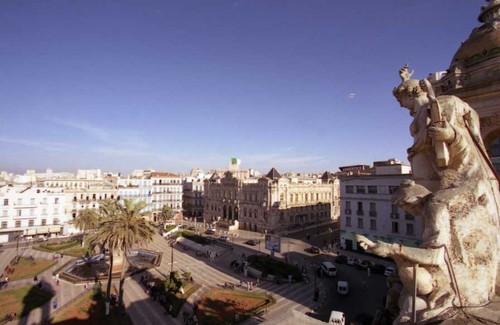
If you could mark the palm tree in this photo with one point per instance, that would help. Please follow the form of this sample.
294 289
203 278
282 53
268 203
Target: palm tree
108 214
87 219
128 229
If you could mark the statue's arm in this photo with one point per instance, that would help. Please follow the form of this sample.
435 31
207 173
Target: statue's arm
425 256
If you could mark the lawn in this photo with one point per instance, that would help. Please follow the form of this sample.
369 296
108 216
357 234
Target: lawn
22 300
220 306
27 268
89 309
56 247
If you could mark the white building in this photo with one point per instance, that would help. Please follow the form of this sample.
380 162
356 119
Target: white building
167 191
366 208
136 189
31 211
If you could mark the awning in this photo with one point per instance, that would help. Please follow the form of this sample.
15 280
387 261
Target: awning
30 232
55 229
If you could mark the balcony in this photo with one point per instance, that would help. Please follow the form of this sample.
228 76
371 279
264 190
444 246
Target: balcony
394 215
360 213
373 213
347 211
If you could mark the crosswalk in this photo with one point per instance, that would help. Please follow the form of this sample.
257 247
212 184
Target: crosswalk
145 311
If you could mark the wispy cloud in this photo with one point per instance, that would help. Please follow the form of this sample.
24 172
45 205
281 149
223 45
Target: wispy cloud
284 159
117 138
40 144
351 95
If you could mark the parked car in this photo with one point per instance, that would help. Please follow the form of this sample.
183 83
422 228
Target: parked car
378 269
364 264
389 271
314 250
192 228
252 242
352 261
343 287
341 259
210 232
224 238
183 226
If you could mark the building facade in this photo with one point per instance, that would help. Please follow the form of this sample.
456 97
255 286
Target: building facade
31 211
166 191
272 203
366 208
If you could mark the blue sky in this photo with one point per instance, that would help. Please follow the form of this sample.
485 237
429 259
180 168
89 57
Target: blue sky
300 85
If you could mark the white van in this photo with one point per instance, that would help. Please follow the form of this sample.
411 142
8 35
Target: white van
328 268
336 318
343 288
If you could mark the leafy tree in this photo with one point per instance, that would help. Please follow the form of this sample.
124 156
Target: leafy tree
173 283
166 213
86 220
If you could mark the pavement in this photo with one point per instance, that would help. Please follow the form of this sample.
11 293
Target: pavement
64 293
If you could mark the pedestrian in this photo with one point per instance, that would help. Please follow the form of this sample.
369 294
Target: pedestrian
55 303
258 282
369 271
85 287
35 279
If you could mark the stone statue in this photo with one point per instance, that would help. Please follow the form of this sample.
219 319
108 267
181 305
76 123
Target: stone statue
456 194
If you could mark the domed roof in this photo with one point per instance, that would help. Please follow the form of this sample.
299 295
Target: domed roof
484 42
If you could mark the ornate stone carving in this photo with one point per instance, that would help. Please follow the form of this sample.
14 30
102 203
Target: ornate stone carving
458 201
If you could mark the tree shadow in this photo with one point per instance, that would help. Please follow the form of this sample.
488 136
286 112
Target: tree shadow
39 296
89 308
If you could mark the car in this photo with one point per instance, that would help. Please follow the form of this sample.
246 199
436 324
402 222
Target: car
183 226
342 288
252 242
389 271
364 264
341 259
192 228
210 232
328 268
352 261
314 250
378 269
224 238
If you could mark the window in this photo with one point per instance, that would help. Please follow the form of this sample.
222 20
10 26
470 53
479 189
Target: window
360 222
19 201
56 221
32 212
44 222
372 189
409 217
6 202
4 213
373 224
44 211
31 223
4 224
395 227
360 212
32 201
44 200
18 223
349 189
394 212
409 229
393 189
373 209
19 213
348 221
56 200
348 207
360 189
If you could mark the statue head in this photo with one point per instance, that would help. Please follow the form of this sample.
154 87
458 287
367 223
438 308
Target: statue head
410 197
409 89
